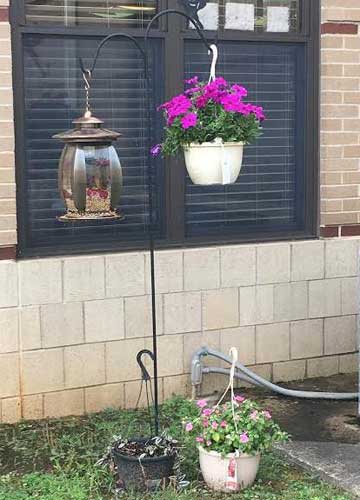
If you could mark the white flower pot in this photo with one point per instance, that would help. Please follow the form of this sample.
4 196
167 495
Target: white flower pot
214 162
230 473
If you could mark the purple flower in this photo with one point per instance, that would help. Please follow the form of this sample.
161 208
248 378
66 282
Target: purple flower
188 120
205 423
201 403
156 150
201 101
239 90
192 81
244 438
189 427
239 399
220 82
207 412
199 439
215 425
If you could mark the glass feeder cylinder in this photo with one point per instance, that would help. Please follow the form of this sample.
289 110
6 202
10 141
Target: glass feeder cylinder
90 174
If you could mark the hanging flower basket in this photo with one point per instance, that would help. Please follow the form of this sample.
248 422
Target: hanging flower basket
231 437
211 123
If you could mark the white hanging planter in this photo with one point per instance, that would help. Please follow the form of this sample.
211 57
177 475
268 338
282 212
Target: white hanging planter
229 473
214 162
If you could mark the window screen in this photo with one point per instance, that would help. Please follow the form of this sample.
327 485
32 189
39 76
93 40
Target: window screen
84 12
269 189
54 96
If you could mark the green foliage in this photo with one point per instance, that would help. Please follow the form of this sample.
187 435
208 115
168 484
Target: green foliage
54 460
213 123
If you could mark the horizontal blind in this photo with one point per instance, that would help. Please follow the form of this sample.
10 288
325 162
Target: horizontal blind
79 12
269 191
54 96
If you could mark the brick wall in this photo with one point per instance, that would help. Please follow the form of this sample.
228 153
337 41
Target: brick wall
7 163
340 126
70 328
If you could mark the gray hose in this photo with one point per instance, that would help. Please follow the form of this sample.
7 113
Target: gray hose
197 369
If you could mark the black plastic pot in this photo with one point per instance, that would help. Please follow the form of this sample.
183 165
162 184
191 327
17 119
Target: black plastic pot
143 474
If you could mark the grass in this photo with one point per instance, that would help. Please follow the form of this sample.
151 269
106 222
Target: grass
54 460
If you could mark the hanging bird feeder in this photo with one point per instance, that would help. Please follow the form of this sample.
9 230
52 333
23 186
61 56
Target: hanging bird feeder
90 175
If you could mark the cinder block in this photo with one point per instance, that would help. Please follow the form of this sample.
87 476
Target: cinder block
289 370
125 275
306 338
194 341
273 263
62 324
264 371
238 266
324 298
42 371
33 407
323 367
220 308
291 301
138 316
179 385
349 363
201 269
104 320
104 396
182 312
10 410
8 284
9 380
272 342
40 282
349 296
84 279
307 260
340 335
132 392
170 354
61 404
84 365
257 305
121 362
9 330
169 272
341 258
243 339
30 327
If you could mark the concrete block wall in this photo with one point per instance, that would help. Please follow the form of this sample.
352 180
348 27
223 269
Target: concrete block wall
70 328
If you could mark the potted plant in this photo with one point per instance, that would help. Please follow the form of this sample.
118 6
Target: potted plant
231 438
140 463
211 123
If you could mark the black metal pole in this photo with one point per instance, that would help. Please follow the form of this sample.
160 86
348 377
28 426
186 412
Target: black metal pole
145 56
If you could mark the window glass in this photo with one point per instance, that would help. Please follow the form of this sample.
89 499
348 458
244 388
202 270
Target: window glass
274 16
132 13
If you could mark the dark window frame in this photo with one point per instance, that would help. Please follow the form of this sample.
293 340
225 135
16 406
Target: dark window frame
174 33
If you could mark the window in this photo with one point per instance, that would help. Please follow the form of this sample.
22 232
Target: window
275 56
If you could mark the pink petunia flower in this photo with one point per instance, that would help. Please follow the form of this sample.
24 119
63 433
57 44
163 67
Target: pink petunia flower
239 399
223 424
267 414
156 150
239 90
189 120
199 439
208 442
189 427
201 403
192 81
254 415
207 412
214 425
244 438
205 423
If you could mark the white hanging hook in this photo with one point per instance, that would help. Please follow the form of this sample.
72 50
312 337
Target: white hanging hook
214 51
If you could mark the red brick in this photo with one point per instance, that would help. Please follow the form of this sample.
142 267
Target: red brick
8 253
339 28
4 14
350 230
329 231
